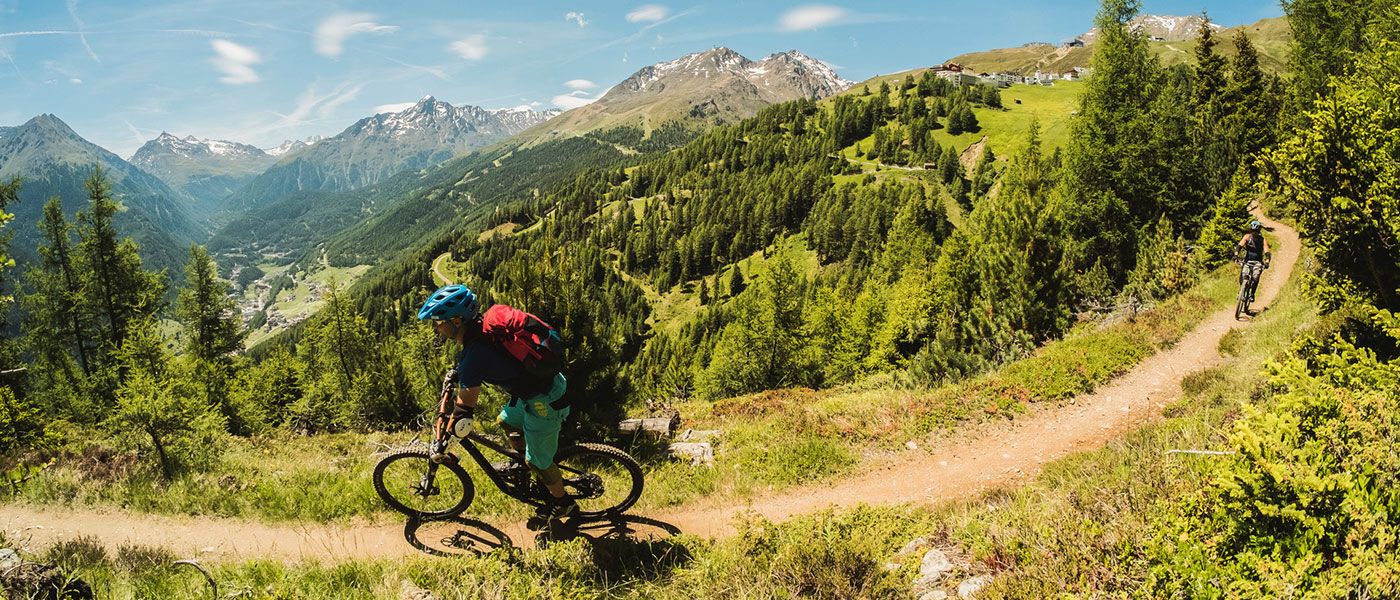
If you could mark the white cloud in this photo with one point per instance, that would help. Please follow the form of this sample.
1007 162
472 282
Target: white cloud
647 13
572 100
472 47
576 17
335 29
235 61
580 84
393 108
811 16
75 81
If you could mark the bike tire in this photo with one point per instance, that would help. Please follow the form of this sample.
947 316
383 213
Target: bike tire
619 479
398 492
1240 305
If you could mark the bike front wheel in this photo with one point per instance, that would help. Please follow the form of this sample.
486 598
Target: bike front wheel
411 483
603 480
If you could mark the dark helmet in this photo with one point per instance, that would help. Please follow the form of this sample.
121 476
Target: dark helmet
1255 225
450 301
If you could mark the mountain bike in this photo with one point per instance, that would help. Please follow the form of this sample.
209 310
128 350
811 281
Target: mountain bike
604 480
1249 278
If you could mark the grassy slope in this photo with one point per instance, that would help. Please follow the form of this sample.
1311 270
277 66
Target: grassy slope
1271 37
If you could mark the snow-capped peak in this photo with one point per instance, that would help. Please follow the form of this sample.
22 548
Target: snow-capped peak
811 77
292 146
191 146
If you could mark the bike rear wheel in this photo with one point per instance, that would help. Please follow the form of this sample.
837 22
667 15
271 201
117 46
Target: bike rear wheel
412 484
603 480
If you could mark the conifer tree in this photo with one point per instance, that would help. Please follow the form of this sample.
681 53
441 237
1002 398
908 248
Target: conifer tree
207 312
9 193
59 320
1254 102
760 349
114 281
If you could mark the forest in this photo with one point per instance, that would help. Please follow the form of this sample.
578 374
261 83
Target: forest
795 267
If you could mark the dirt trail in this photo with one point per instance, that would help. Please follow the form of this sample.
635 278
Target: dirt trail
963 465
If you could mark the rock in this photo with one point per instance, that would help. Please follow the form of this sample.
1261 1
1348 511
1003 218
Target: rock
655 427
912 547
933 567
935 595
409 591
699 453
970 586
9 559
911 445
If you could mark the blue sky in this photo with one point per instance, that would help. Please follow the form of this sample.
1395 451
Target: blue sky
263 71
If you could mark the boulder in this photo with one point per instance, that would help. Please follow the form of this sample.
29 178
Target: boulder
970 586
698 453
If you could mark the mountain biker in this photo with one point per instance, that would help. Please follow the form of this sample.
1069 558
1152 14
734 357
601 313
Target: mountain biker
535 412
1253 247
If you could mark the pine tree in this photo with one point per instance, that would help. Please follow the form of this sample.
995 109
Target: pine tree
736 281
207 312
760 349
9 194
1210 68
1253 102
114 281
1340 177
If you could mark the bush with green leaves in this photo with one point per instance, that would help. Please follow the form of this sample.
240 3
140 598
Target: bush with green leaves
160 412
1310 502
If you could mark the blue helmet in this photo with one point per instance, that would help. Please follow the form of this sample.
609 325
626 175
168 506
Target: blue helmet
1255 225
450 301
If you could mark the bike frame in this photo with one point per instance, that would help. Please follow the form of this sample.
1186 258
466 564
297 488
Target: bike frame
491 473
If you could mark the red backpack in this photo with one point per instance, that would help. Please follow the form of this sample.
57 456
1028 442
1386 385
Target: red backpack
526 337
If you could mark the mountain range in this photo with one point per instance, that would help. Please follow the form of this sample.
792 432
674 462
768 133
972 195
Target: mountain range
377 147
53 160
205 170
703 88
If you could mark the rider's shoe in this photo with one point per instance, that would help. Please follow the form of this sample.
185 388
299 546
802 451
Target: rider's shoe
557 509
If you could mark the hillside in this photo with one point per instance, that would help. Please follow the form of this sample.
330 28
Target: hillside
1270 37
53 160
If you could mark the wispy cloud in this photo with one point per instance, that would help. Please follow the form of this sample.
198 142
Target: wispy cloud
576 17
472 47
434 71
73 12
393 108
647 13
235 61
321 104
334 30
136 133
811 16
580 84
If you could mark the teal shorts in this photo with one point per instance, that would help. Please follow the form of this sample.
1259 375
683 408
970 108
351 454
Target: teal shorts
539 421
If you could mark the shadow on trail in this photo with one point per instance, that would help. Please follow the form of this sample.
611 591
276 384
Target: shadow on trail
626 547
455 536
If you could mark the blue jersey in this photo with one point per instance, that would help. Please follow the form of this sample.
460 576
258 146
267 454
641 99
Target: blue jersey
484 361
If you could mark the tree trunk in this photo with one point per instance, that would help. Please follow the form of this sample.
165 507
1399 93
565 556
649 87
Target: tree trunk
166 468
